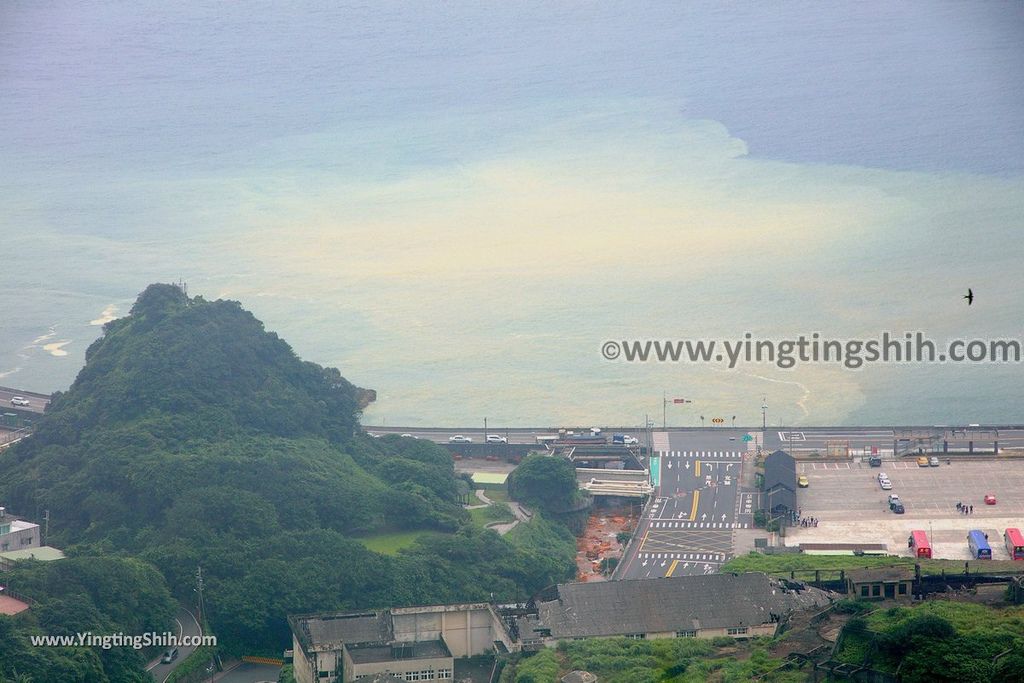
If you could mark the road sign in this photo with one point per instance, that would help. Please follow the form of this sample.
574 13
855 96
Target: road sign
717 420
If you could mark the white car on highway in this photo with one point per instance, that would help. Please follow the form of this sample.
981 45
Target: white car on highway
459 438
19 401
496 438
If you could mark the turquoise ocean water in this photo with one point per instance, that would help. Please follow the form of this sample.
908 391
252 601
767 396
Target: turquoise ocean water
457 205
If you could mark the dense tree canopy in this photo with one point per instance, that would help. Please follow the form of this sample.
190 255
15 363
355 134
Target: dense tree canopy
101 595
545 482
194 437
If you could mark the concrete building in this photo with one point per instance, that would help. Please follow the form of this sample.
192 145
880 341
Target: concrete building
43 553
881 583
735 605
414 643
16 533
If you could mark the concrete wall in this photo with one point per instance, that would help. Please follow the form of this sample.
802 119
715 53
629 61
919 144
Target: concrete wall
300 665
308 670
397 667
468 630
752 631
22 535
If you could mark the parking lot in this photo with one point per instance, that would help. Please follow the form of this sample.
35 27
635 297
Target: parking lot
853 508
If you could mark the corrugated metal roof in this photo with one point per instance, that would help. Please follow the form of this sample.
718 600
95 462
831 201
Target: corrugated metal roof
662 605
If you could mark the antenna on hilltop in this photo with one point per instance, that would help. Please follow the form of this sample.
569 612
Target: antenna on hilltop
183 286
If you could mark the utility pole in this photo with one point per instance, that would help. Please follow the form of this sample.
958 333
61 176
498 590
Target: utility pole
199 589
664 410
764 413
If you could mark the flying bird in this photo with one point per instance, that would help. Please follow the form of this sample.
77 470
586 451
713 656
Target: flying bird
969 296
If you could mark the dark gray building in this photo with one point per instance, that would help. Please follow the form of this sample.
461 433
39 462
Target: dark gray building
779 483
737 605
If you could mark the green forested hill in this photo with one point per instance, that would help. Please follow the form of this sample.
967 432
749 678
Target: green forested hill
193 436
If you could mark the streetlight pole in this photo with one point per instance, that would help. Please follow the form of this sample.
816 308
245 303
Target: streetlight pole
764 413
664 410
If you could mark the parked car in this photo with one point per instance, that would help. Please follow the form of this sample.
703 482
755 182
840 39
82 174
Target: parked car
802 481
933 461
875 461
898 508
496 438
19 401
459 438
894 499
170 656
990 499
408 436
922 461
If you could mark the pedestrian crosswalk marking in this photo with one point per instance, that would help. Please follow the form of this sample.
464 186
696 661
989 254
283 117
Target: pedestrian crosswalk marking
701 525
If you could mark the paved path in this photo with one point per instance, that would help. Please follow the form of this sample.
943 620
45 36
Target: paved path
186 625
521 513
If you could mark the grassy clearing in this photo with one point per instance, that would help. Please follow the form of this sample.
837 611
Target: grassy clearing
498 496
498 512
390 543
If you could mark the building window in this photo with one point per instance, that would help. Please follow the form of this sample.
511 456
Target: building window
863 591
903 589
636 636
428 675
686 634
742 630
26 541
444 674
5 546
876 590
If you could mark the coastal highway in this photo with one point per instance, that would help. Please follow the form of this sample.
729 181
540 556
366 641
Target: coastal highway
520 435
799 438
689 526
861 440
37 402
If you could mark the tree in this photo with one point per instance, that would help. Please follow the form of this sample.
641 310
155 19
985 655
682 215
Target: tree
544 481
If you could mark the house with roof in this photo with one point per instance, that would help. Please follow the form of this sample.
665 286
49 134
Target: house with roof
16 533
734 605
779 483
880 583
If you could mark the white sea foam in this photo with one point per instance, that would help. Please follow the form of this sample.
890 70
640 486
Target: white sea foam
56 348
108 314
43 337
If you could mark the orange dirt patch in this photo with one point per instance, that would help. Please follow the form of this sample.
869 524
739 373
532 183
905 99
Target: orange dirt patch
598 542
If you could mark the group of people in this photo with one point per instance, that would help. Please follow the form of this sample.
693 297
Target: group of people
796 516
965 509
